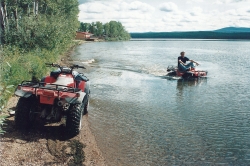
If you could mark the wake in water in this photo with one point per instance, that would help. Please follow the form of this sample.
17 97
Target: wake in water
155 70
158 71
90 61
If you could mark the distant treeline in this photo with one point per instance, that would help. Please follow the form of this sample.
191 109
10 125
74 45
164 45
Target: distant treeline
111 31
193 35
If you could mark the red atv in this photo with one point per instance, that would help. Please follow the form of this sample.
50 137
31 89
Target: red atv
65 93
174 72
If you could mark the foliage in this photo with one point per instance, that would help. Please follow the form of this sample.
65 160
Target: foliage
2 118
5 91
84 27
111 31
53 25
42 31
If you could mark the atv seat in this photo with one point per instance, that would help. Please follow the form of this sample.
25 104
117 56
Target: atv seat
66 81
55 73
80 77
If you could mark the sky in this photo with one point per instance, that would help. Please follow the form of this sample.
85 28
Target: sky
167 15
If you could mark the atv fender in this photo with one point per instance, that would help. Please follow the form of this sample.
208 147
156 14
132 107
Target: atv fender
22 93
78 100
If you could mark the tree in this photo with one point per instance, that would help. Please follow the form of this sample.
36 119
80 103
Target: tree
106 29
99 29
92 28
112 30
84 27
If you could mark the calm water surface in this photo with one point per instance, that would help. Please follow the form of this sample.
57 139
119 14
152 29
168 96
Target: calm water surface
140 118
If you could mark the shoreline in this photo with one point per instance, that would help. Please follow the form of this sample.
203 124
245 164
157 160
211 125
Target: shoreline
93 154
44 145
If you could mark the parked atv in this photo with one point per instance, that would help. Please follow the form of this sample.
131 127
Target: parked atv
193 73
64 93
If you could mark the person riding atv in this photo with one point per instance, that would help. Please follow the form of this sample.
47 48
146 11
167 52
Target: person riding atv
186 71
182 66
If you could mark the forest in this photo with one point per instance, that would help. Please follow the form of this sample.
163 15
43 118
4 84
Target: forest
110 31
30 24
33 32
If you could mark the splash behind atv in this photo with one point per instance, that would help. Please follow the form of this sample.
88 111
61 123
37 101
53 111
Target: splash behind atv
64 93
193 73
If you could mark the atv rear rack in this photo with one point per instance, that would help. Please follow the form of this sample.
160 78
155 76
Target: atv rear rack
42 89
42 85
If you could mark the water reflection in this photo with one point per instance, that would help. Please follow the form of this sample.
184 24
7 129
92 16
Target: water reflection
183 84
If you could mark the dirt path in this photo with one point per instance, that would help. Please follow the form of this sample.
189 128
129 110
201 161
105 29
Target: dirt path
48 145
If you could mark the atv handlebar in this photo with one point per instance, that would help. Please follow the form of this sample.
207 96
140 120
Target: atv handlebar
77 66
57 65
52 65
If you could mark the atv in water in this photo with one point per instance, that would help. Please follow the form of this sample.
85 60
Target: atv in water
62 94
193 73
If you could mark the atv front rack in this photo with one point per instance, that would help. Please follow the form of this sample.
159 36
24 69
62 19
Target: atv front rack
46 91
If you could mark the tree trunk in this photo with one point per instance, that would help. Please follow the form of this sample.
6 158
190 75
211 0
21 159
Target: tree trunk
15 15
28 9
1 24
5 15
35 8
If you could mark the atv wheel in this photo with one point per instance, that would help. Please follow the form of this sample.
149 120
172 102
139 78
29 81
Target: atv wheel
22 113
85 103
74 120
173 73
85 110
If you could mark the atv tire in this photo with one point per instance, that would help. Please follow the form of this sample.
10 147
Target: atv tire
22 113
85 110
85 103
173 73
74 120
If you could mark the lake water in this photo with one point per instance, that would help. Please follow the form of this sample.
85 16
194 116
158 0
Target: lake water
140 118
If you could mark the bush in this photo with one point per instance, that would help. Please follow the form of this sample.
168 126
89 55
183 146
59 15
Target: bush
4 93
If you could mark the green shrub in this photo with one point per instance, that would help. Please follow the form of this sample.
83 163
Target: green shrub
2 119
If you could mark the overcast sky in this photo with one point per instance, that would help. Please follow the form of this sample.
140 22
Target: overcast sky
167 15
